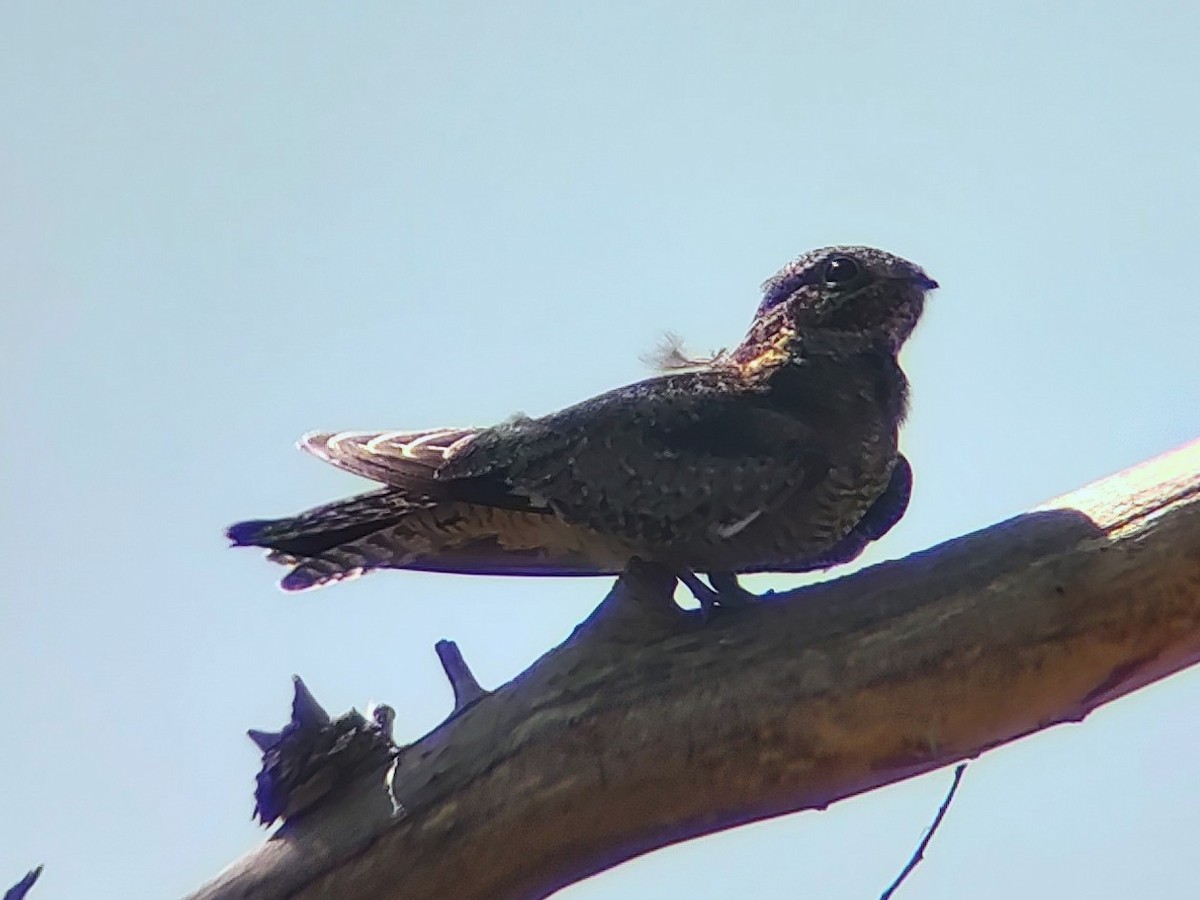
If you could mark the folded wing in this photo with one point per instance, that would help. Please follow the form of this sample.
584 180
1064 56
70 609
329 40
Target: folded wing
397 458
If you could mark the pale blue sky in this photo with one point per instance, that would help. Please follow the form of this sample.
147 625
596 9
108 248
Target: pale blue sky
222 225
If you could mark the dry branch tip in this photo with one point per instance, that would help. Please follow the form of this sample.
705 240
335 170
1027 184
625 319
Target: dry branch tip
264 740
467 690
306 711
21 888
314 757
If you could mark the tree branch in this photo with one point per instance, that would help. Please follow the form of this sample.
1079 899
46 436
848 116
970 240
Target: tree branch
648 727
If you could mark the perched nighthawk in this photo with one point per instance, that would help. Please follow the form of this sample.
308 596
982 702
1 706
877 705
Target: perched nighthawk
779 456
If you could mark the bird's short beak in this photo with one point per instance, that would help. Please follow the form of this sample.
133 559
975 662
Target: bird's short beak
926 283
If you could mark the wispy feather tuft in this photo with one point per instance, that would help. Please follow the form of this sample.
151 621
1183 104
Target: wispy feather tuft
671 356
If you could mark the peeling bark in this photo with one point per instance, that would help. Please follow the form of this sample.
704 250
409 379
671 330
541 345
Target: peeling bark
648 727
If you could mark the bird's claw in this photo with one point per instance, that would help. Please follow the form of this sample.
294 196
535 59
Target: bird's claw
725 592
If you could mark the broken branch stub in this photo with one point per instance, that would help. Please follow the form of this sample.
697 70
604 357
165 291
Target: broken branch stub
314 757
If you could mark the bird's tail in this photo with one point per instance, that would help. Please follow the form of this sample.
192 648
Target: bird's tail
337 541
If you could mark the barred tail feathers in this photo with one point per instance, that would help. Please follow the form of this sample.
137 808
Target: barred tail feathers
391 530
336 541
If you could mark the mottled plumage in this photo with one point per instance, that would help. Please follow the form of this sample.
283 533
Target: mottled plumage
780 455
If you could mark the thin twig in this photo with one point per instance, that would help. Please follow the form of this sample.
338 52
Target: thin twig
937 820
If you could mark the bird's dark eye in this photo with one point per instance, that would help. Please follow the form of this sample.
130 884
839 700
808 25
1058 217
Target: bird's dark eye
840 271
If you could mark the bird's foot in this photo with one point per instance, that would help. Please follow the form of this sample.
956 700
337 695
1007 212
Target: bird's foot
708 599
731 592
725 592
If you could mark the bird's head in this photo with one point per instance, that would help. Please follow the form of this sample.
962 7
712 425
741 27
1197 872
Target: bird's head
836 301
